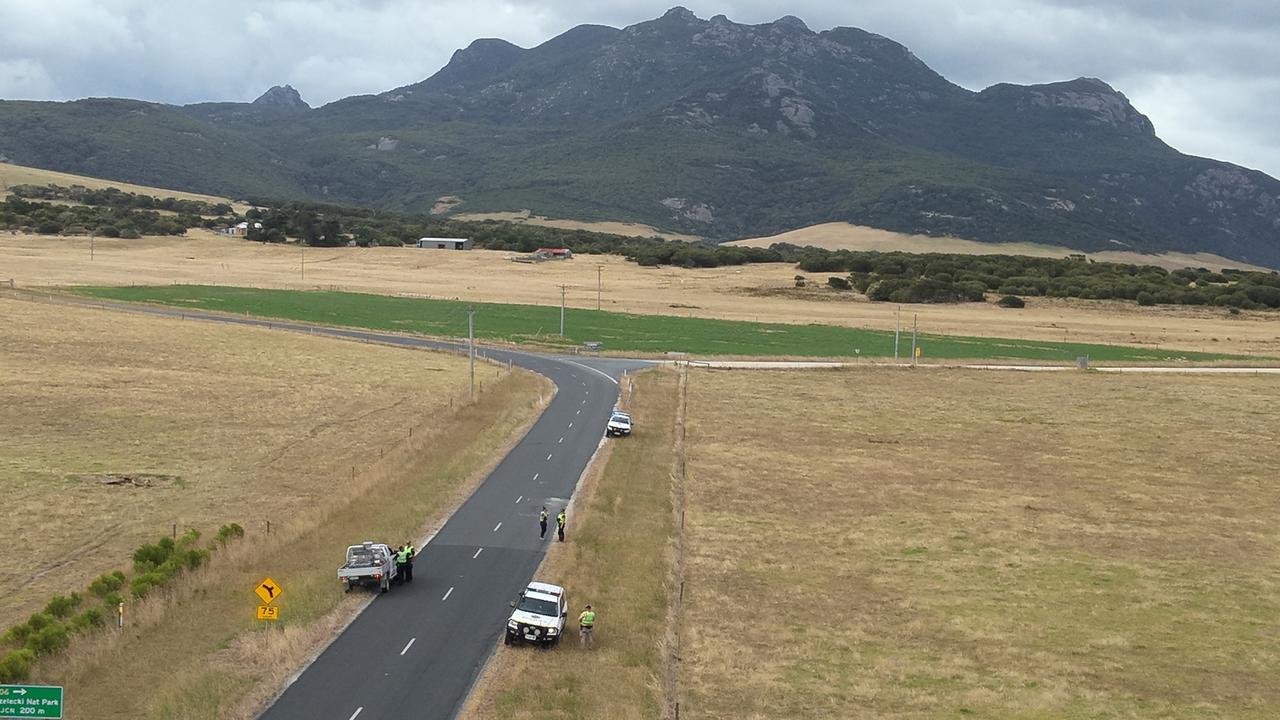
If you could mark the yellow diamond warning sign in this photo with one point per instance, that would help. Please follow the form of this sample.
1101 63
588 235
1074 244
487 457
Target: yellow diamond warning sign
268 590
268 612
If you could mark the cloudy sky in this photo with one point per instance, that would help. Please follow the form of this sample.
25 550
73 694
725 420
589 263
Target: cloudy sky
1207 72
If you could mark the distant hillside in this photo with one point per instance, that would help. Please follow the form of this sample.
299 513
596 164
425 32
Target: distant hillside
704 127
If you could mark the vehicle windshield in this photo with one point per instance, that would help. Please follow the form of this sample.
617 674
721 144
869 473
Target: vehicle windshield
537 607
623 419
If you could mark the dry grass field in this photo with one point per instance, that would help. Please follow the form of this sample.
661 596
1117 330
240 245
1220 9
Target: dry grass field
888 543
21 175
242 425
617 557
627 229
843 236
753 292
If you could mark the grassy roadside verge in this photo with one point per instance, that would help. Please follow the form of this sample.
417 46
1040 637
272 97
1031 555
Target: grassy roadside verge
197 652
618 558
618 331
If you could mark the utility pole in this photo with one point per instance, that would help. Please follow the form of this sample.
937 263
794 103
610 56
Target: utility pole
897 330
599 284
914 322
562 290
471 348
303 264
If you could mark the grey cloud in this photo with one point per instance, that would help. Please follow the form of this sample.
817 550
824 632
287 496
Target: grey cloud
1204 71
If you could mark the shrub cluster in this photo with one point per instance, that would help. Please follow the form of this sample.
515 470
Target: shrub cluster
47 218
50 630
117 198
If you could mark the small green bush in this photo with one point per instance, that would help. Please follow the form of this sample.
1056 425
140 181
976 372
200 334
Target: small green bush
50 639
16 666
229 532
1011 301
104 585
60 606
839 283
146 582
1146 299
18 634
38 622
189 538
112 599
92 617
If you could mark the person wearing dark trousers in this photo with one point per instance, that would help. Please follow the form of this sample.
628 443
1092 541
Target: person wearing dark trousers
560 520
409 552
400 563
542 521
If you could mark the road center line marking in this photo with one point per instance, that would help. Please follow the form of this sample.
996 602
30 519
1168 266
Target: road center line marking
535 475
446 595
570 424
356 713
560 440
407 646
578 413
548 456
519 499
495 527
473 557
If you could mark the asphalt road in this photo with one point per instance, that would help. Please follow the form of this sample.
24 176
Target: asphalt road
416 651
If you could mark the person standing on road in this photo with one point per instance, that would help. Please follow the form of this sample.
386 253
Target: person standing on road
542 521
586 624
409 554
400 564
560 521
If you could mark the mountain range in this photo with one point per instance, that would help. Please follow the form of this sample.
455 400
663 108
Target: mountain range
700 126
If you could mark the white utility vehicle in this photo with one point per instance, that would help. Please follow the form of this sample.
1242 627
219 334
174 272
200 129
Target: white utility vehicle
619 424
368 564
538 616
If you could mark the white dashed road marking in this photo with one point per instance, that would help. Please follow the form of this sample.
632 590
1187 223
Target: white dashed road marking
446 595
495 527
473 557
409 645
519 499
356 713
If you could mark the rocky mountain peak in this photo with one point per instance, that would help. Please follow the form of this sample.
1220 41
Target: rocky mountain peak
1107 106
681 14
282 97
792 21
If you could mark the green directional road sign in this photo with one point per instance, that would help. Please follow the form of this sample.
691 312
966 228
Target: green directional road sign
31 701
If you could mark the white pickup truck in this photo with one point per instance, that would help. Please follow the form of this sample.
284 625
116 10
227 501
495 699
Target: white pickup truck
368 564
538 616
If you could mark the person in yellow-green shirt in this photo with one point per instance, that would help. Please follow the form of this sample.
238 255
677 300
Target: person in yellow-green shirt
586 624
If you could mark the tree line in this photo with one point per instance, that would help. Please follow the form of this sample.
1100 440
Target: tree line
882 276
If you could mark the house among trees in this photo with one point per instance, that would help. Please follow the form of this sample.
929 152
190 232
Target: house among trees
240 229
445 243
554 253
